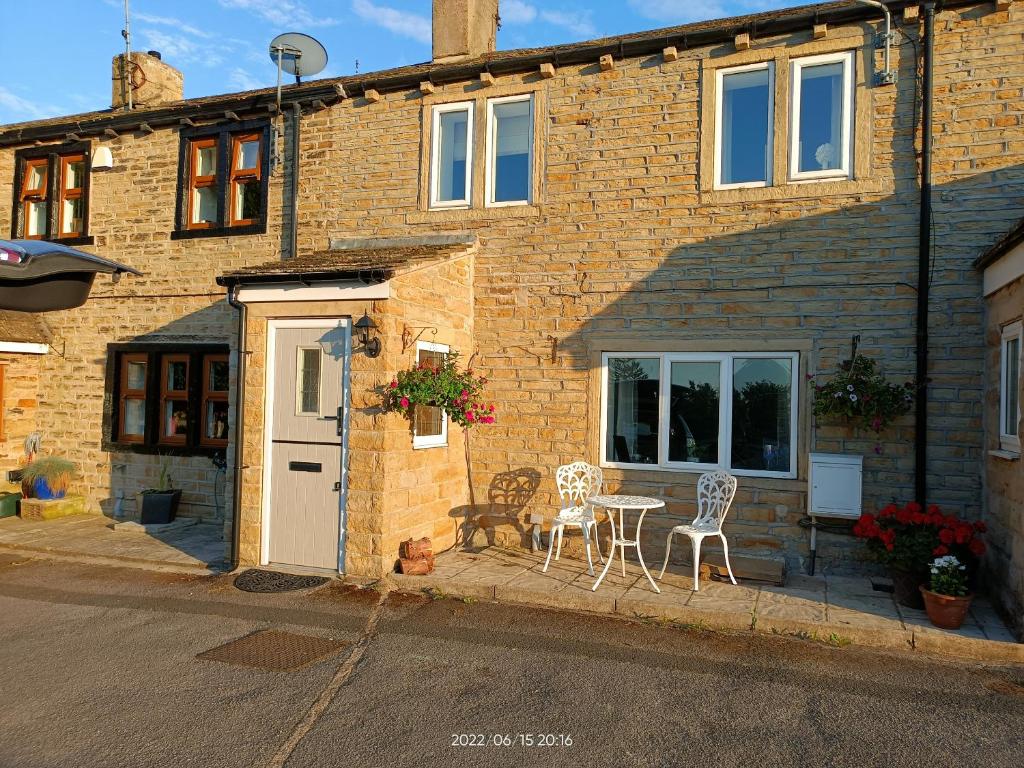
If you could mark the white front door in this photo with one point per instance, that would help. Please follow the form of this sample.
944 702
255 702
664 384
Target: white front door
306 421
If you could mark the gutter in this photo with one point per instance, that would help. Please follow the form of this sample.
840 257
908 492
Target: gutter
236 494
924 261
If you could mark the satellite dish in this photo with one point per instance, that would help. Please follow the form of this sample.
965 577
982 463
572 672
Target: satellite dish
298 54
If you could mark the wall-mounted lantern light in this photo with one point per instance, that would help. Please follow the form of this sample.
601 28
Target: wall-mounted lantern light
365 334
102 159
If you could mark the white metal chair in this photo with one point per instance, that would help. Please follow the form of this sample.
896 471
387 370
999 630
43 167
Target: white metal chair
576 483
715 492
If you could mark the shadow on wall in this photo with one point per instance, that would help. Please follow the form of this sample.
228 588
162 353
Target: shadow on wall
500 520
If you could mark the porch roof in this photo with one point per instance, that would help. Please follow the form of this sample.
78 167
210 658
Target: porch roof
23 328
369 260
1002 246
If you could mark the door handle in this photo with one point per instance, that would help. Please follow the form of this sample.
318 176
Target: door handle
337 417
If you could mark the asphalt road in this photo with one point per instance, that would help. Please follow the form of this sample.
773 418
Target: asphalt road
98 667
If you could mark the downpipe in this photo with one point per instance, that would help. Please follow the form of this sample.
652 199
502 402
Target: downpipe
236 474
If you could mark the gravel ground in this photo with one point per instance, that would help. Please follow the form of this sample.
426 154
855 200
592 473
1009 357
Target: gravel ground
99 668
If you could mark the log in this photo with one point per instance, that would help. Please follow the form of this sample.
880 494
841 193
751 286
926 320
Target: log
411 549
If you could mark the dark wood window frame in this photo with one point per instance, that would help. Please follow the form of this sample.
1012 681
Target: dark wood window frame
211 396
155 394
225 136
54 156
168 395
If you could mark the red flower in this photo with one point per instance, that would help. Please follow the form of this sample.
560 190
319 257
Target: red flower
470 416
888 511
888 538
491 409
940 550
913 506
980 526
963 533
977 547
394 383
404 402
904 515
933 509
946 536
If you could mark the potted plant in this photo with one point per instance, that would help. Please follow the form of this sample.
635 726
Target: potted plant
859 394
457 392
47 478
160 504
949 597
907 538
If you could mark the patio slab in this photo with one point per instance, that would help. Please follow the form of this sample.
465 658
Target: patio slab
837 611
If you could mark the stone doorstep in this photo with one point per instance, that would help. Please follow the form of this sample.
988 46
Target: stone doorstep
704 616
155 529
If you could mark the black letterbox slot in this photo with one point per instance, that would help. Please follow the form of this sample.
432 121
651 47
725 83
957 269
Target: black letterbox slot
304 466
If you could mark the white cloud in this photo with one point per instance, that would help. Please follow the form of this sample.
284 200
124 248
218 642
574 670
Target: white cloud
517 12
180 49
21 108
168 21
577 22
241 80
401 23
281 13
685 11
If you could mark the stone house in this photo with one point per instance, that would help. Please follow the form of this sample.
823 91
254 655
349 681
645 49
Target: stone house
722 205
1002 268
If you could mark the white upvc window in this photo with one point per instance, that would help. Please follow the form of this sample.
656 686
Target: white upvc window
744 125
701 411
509 175
451 152
430 423
821 117
1009 387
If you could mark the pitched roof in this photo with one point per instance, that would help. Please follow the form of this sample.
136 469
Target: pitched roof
684 36
1002 246
361 259
23 327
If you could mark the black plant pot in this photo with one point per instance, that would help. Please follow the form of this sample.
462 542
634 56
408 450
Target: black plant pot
159 507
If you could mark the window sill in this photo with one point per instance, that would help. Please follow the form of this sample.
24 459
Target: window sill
1005 455
428 446
191 234
802 188
77 240
656 473
161 450
435 215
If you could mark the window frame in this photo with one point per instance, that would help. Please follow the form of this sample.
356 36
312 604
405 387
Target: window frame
845 171
299 413
197 182
223 135
239 175
52 157
152 354
726 373
64 193
720 75
127 393
169 395
213 396
490 147
35 195
1012 332
435 155
431 441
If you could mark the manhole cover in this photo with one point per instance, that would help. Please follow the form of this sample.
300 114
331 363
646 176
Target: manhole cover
255 580
274 650
1005 687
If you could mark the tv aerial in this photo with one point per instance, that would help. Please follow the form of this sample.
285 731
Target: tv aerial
299 55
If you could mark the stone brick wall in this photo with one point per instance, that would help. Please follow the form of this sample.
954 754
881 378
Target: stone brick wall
1004 477
20 392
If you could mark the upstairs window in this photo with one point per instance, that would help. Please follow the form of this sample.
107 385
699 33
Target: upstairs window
745 126
822 115
451 171
430 423
509 150
1009 388
223 185
169 398
52 194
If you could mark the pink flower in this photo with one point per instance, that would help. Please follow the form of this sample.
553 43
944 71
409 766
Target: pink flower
488 420
491 409
464 394
404 402
394 383
470 416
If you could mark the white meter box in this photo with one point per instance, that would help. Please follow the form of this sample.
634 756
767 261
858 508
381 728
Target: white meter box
835 485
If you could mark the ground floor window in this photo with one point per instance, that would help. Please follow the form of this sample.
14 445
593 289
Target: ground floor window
169 397
700 411
430 424
1009 387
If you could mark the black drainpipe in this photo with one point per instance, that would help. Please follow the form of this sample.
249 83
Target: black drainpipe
236 495
924 263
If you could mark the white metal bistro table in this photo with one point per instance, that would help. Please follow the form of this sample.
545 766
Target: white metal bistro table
621 504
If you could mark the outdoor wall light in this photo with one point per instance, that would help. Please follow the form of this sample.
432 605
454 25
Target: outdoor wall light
102 159
365 333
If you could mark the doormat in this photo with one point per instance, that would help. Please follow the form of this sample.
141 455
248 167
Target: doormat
255 580
274 650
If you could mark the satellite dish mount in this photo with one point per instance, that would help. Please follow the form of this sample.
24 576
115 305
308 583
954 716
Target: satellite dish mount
298 55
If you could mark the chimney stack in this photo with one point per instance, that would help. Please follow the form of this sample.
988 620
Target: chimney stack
464 29
153 82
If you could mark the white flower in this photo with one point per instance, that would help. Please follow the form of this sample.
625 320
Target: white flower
853 398
849 387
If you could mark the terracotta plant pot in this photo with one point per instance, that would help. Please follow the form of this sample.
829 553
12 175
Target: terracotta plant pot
905 588
945 611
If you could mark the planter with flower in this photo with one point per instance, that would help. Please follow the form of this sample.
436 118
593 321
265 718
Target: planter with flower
860 395
47 478
458 392
949 597
906 539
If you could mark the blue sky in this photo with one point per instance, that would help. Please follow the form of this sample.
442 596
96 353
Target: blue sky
221 45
